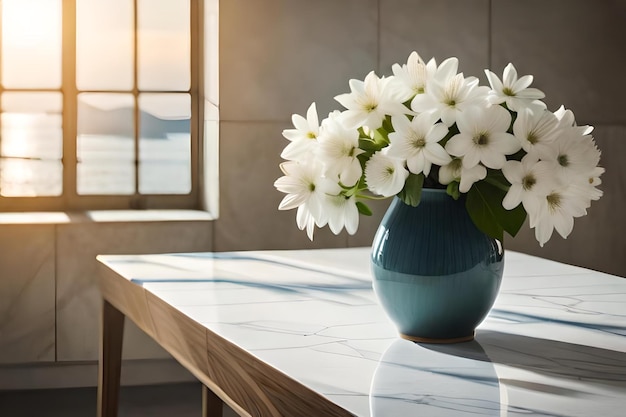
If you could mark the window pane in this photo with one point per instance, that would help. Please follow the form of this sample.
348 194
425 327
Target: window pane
165 144
31 142
104 44
105 148
31 43
30 178
163 45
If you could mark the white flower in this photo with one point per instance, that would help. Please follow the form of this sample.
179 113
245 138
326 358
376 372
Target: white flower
576 155
448 98
455 171
385 175
306 189
304 137
369 101
556 210
567 120
585 188
417 142
530 180
411 78
342 212
511 90
483 138
536 129
432 121
338 150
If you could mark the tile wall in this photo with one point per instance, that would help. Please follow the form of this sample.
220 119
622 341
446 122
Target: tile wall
49 301
27 287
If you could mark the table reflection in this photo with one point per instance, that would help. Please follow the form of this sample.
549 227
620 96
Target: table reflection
435 380
498 374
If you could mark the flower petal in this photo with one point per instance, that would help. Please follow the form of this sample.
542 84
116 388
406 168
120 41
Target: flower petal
531 94
510 76
522 83
513 197
494 81
459 144
436 154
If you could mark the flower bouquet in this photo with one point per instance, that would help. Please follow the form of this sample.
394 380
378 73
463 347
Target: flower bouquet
428 125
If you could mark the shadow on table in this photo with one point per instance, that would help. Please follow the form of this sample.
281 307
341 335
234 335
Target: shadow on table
547 357
496 373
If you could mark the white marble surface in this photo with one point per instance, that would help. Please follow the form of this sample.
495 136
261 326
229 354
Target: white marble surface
553 345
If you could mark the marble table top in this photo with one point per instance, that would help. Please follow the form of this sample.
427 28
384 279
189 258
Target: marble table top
553 345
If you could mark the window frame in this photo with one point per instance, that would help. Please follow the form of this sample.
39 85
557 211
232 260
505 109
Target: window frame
70 200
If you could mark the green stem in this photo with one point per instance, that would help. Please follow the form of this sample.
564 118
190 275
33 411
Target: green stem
371 197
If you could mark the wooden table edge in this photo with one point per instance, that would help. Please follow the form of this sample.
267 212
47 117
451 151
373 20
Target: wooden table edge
230 373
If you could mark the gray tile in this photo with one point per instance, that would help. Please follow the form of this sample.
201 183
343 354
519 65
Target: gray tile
597 241
439 29
249 216
574 48
278 56
78 299
27 293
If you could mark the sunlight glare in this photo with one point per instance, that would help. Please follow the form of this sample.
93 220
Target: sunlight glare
16 129
27 23
31 39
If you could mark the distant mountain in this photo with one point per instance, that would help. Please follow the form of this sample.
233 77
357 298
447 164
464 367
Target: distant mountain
95 121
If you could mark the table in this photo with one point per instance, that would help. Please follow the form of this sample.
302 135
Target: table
300 333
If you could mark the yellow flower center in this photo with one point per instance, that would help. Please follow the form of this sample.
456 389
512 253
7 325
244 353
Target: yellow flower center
528 182
554 201
370 107
508 92
418 141
481 139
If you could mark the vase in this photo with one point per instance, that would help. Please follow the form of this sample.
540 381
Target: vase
434 273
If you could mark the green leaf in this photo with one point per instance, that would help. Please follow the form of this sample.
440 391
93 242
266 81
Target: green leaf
387 126
369 146
453 190
361 185
482 214
511 220
412 191
381 137
484 205
363 208
515 220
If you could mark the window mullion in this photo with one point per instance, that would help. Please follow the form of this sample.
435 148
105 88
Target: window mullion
137 203
70 98
196 87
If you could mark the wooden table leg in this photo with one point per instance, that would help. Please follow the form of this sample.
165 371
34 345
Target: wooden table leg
212 405
110 364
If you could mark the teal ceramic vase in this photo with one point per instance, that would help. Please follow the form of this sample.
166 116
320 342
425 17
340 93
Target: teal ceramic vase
435 274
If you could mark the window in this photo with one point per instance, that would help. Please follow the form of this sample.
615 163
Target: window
100 104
